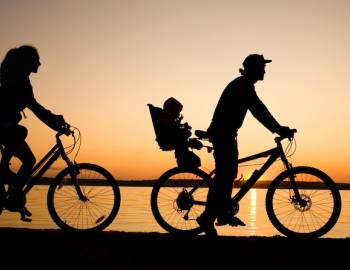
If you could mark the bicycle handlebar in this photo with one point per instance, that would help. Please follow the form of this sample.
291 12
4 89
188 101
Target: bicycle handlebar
288 136
203 135
64 129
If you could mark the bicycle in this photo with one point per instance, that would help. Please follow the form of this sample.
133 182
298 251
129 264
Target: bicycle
81 197
300 202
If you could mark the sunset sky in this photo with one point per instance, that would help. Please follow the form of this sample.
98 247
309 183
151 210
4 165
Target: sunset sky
103 61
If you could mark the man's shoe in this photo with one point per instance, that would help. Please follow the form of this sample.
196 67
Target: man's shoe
229 220
208 227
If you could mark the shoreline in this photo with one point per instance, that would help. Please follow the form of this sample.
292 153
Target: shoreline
262 184
56 249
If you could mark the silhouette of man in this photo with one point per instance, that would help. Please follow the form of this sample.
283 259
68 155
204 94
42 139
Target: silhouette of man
16 94
238 97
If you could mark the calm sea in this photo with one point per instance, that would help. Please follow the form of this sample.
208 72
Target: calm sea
135 214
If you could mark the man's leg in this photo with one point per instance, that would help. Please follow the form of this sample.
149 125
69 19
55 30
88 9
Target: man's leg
226 172
226 163
219 195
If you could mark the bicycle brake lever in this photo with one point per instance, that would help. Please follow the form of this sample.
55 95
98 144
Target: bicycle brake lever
291 137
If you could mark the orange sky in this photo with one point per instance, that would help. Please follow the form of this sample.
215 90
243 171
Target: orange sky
103 61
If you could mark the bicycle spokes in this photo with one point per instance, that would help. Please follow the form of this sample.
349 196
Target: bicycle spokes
178 198
87 199
307 205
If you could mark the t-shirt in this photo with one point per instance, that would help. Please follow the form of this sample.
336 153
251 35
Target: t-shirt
238 97
15 96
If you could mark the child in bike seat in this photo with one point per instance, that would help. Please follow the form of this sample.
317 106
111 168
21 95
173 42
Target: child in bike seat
178 134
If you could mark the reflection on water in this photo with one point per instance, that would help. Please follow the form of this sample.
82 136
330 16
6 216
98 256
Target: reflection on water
252 212
135 214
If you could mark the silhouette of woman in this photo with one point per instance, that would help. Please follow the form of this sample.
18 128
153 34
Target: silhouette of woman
16 94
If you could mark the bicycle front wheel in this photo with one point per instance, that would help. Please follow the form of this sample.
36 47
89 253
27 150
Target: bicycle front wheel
314 214
178 197
85 197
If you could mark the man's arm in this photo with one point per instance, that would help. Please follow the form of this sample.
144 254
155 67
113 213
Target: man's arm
260 112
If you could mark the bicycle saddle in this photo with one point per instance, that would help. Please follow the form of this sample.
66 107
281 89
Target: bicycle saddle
201 134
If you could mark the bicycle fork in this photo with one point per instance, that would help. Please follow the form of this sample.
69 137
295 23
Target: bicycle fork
296 199
73 171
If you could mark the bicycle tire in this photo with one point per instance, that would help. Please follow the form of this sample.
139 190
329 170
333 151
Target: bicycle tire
173 196
97 212
320 194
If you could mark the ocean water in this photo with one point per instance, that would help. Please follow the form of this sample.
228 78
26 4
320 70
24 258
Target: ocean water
135 214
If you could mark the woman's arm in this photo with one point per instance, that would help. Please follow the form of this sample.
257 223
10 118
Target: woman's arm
52 120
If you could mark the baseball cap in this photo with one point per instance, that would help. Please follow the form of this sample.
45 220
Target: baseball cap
254 60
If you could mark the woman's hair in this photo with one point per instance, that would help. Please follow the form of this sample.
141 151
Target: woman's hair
16 61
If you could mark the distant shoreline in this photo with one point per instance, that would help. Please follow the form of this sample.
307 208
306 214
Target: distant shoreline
149 183
258 185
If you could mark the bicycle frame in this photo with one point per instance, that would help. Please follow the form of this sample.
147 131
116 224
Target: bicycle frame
273 155
45 163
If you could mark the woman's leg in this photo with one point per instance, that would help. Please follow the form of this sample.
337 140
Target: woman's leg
15 145
27 158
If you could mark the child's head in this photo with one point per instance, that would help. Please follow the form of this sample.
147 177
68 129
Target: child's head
173 107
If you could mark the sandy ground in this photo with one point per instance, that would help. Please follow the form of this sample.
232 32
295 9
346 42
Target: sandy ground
55 249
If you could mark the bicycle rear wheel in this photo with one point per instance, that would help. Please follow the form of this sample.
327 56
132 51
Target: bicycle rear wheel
97 206
315 214
178 197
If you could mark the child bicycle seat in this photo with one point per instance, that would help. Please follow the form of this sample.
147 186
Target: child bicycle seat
161 128
173 135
